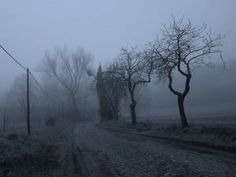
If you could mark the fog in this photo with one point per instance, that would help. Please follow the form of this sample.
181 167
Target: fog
212 94
117 88
29 28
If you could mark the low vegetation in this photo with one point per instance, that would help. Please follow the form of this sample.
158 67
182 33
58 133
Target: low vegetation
49 152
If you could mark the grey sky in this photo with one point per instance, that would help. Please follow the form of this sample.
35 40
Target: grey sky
29 27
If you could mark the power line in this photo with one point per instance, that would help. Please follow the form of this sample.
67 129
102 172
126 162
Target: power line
35 80
41 88
15 60
23 67
27 89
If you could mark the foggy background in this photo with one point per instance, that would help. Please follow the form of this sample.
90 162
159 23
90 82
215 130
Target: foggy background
29 28
75 118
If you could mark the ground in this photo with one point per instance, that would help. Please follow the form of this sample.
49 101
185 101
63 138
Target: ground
107 153
92 150
216 133
48 152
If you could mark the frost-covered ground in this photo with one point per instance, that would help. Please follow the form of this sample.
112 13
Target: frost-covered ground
107 153
90 150
215 132
48 152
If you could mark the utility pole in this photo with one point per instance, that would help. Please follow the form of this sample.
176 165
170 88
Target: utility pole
27 90
28 104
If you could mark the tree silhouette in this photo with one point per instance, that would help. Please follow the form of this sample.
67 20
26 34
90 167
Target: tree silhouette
183 48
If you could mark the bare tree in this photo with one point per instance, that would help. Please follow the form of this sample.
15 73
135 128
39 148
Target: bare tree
18 93
53 98
182 49
134 68
69 69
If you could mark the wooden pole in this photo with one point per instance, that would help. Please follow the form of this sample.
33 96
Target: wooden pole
28 104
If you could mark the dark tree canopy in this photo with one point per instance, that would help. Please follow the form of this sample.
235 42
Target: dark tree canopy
110 89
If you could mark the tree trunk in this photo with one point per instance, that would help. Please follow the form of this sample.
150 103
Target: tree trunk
132 109
184 121
75 107
133 113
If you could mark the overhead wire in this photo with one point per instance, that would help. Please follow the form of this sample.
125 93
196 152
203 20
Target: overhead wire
24 68
41 88
14 59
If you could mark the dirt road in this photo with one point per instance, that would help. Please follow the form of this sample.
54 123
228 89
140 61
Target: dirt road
107 154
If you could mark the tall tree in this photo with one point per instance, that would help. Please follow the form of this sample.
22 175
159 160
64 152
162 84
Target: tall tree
115 90
103 110
110 90
183 48
134 68
69 69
